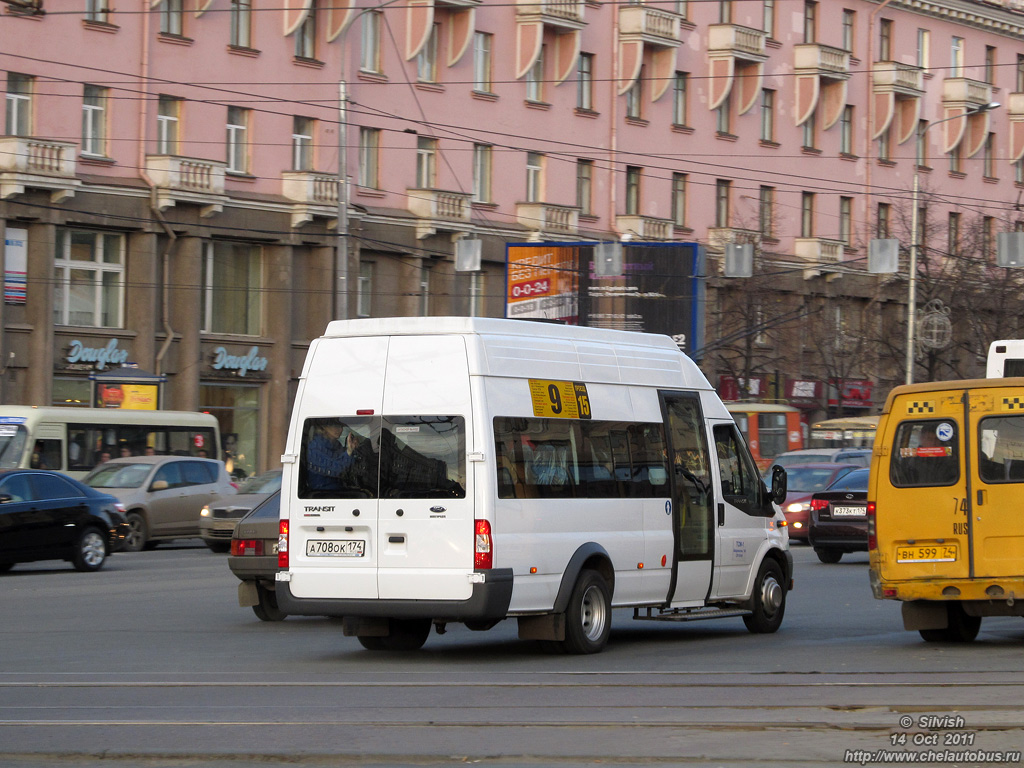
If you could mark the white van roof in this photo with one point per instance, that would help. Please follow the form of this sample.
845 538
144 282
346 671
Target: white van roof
523 348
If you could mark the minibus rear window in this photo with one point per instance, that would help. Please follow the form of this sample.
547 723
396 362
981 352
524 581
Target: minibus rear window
1001 444
925 453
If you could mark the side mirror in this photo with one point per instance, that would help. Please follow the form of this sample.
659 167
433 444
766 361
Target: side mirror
159 485
778 494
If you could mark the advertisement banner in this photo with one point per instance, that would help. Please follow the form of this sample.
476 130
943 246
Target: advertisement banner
15 265
543 282
129 397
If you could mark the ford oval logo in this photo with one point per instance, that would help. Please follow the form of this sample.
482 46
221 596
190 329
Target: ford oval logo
438 510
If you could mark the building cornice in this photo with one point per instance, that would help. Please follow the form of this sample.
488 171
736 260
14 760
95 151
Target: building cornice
989 16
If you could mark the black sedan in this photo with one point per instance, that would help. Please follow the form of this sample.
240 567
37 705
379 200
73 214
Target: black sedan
253 558
50 516
839 517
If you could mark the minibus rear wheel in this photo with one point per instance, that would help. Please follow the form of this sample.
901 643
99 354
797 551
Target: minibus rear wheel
588 618
406 634
961 628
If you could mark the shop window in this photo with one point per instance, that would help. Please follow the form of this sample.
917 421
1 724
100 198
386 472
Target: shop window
88 275
232 288
236 409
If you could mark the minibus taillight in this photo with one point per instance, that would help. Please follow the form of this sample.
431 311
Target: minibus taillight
483 555
282 544
872 537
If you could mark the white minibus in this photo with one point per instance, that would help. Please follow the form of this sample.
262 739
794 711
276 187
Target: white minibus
1005 359
74 440
471 470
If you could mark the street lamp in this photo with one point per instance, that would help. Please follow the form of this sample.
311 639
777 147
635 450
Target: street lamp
915 245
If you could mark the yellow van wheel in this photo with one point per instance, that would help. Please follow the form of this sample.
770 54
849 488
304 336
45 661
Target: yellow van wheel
962 628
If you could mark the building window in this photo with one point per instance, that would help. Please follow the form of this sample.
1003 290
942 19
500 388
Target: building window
302 143
923 46
767 115
94 121
679 199
725 11
806 214
956 162
535 78
534 177
884 153
849 29
882 225
482 68
810 22
990 64
482 170
846 130
885 40
988 237
369 157
1018 172
426 163
426 59
768 18
241 23
168 117
633 177
585 82
1019 79
171 13
953 233
921 144
682 7
88 271
989 157
585 186
232 282
305 35
956 57
18 120
365 292
635 98
846 221
723 189
810 131
238 140
723 117
369 55
97 11
766 211
679 98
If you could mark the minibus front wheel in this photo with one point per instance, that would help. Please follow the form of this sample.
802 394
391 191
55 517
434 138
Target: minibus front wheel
768 603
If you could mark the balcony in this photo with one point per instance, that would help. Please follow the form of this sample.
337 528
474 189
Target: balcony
28 163
823 60
905 80
898 90
544 218
743 43
966 92
561 14
821 74
719 237
314 194
1015 108
959 96
439 209
644 228
819 252
650 25
736 57
187 180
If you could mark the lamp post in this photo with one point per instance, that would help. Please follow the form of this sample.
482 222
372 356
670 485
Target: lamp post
915 244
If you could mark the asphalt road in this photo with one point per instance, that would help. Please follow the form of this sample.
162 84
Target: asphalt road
151 662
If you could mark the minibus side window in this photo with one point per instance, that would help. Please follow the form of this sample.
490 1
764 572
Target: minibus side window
1001 447
339 458
925 453
741 484
423 457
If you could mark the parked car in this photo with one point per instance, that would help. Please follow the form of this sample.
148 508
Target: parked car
161 494
217 520
803 481
839 517
857 457
253 558
49 516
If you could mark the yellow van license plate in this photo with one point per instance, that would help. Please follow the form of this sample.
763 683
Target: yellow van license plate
936 553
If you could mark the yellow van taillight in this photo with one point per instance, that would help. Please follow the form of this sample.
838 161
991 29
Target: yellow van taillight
872 537
282 544
483 554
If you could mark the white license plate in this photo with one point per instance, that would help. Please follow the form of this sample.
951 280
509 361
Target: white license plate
849 511
335 547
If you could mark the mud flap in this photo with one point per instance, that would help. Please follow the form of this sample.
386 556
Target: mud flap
925 614
550 626
248 594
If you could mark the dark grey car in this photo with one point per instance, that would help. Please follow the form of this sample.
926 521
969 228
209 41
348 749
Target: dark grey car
254 558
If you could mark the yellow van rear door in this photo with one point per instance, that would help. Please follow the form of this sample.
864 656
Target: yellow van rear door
922 505
997 480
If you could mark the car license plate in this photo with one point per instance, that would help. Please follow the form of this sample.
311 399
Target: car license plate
334 547
849 511
933 553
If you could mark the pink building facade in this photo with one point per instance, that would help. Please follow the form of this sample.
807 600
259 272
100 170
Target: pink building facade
168 174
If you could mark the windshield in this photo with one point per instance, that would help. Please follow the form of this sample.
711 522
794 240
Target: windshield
12 444
268 482
118 476
808 479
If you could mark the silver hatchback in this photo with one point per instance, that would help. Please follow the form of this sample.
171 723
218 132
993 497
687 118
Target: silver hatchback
162 495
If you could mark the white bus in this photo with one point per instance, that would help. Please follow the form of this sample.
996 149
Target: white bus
74 440
470 470
1005 358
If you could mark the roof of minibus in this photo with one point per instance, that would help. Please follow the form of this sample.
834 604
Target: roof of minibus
760 408
945 386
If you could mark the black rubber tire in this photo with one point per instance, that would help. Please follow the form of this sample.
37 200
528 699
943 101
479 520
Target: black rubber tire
266 609
138 533
371 642
960 629
769 599
829 555
5 567
588 617
220 547
90 551
407 634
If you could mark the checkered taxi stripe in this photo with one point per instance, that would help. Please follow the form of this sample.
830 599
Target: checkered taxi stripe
922 406
1013 403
